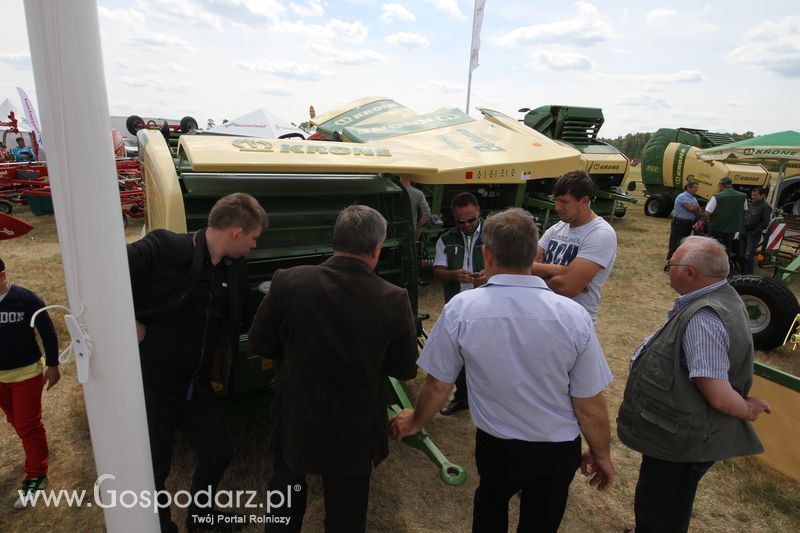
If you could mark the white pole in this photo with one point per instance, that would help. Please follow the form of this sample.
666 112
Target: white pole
469 89
70 86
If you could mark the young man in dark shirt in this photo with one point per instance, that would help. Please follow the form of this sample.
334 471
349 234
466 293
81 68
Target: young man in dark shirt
756 220
22 378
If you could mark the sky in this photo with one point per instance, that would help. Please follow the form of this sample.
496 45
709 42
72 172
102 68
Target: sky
728 66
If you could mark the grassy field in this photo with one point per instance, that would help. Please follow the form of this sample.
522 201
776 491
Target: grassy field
406 495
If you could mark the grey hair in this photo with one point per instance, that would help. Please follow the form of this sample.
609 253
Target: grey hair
708 256
358 230
512 237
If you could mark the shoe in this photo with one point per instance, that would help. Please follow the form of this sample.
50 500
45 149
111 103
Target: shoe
453 406
209 520
29 487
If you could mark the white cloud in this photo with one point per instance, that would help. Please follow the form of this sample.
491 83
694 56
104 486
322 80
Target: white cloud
392 12
361 56
660 17
17 59
312 8
160 42
450 7
586 28
701 27
558 60
408 40
172 68
161 83
126 17
442 86
180 12
682 76
646 100
350 31
773 46
295 71
276 90
734 103
250 13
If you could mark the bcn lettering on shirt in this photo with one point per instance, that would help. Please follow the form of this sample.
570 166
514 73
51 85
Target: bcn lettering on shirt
560 253
11 317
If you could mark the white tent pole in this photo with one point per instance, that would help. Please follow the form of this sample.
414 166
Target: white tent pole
68 70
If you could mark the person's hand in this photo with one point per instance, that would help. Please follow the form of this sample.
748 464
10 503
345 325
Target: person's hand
757 406
479 278
51 376
464 276
600 470
402 425
141 331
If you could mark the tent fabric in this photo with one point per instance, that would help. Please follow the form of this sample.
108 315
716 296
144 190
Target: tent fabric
783 145
259 123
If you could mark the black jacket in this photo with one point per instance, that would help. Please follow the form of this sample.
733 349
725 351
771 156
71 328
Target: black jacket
165 268
338 330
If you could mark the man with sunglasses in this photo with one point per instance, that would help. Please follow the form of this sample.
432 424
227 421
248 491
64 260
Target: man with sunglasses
458 265
576 255
686 402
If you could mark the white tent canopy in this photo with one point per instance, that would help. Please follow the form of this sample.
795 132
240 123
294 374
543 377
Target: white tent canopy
6 107
259 123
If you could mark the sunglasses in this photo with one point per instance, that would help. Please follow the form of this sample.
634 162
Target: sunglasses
466 221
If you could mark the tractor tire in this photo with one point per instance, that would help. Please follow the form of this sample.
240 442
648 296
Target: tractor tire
770 306
133 124
657 205
6 207
188 124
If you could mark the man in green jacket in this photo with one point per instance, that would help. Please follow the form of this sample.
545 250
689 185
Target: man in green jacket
726 213
458 265
686 402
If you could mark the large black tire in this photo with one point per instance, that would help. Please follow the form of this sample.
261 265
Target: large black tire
657 205
188 124
771 307
6 207
133 124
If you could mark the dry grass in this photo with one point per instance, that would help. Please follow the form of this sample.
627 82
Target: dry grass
406 494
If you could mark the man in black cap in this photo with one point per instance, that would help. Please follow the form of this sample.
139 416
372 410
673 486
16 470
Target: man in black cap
726 213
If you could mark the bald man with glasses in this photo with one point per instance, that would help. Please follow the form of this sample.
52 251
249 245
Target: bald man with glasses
459 266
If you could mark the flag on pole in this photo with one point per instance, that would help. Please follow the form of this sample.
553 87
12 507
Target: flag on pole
30 114
477 21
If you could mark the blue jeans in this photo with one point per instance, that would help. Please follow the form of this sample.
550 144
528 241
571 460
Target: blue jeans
665 494
749 243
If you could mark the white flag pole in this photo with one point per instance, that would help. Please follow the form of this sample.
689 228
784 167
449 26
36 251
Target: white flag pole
475 46
70 86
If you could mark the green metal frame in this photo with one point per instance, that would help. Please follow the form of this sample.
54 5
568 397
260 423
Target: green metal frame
780 377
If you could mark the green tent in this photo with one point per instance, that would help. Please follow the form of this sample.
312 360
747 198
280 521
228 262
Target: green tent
784 145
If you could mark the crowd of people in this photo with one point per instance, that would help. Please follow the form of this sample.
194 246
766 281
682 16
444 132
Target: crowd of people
516 336
727 213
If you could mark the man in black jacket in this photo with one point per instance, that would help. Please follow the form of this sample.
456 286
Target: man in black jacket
756 220
191 300
338 330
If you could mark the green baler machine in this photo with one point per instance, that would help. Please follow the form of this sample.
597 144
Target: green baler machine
302 209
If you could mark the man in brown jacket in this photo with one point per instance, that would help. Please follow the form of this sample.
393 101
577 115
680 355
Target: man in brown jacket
338 329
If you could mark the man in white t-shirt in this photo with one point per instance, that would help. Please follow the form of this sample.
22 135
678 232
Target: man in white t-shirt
577 254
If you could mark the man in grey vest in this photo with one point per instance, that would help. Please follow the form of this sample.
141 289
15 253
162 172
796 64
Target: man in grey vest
686 403
458 265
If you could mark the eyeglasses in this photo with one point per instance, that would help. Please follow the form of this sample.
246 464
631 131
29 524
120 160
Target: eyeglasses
466 221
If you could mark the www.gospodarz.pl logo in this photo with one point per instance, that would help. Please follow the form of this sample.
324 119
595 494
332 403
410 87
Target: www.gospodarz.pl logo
206 499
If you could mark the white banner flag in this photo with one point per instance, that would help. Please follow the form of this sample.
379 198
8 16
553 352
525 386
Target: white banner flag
30 114
477 21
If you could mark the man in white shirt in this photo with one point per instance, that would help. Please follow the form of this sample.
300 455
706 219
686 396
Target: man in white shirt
536 376
576 255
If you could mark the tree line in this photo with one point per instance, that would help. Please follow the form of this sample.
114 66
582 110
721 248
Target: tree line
632 144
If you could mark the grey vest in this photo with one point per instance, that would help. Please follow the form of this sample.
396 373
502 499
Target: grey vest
664 415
